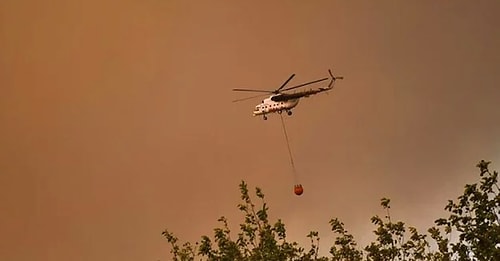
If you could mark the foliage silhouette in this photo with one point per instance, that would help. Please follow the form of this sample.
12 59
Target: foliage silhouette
474 217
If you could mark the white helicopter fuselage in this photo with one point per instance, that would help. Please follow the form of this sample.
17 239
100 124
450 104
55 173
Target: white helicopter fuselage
281 100
269 106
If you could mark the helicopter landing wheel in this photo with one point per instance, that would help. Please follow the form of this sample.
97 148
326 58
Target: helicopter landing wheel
265 117
289 113
279 112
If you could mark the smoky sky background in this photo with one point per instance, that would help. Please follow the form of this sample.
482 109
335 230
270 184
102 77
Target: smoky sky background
117 122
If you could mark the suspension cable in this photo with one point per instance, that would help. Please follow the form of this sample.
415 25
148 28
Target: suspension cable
289 150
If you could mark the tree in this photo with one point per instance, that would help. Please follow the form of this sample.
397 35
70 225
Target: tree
474 217
257 239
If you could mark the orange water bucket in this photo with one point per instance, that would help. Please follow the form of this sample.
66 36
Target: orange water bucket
298 190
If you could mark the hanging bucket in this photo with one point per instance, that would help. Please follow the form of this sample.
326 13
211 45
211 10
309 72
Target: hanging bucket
298 190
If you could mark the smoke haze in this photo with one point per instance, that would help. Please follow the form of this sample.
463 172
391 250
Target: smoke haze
116 119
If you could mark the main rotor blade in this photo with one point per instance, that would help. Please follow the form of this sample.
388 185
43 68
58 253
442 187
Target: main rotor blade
248 98
283 85
304 84
249 90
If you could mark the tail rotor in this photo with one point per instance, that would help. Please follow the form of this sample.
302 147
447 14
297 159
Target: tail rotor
333 79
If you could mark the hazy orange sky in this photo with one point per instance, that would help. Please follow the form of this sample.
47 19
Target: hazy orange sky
116 119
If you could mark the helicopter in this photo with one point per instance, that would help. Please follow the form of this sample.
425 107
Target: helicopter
278 101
